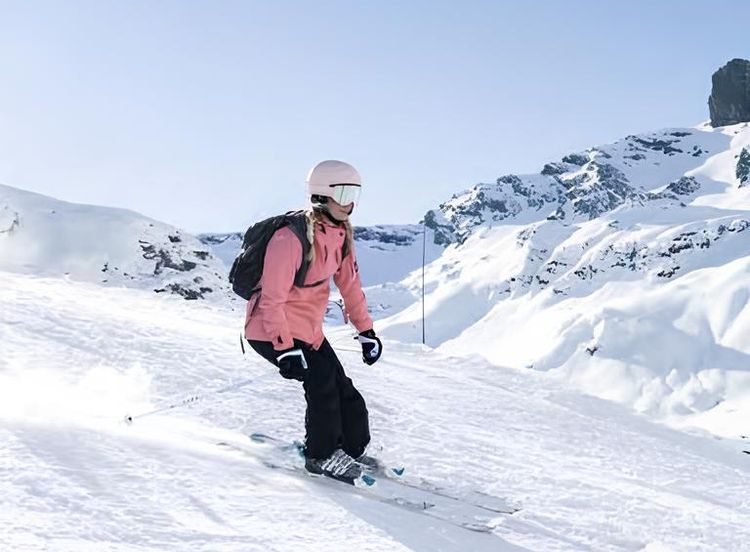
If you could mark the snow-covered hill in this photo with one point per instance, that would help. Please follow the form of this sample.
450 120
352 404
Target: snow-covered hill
44 236
624 268
76 357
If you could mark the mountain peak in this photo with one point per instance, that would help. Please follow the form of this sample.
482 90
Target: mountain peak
583 186
729 102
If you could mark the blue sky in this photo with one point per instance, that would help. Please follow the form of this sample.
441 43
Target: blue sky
208 115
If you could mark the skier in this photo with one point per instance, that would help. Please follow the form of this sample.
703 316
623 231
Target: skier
284 322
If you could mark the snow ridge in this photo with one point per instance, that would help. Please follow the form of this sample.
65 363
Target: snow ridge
114 247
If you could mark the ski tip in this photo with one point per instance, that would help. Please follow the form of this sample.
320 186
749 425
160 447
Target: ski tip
259 437
398 472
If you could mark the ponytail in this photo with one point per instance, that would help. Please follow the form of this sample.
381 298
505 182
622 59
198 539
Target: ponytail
315 216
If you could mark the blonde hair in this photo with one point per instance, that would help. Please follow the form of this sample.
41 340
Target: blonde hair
314 217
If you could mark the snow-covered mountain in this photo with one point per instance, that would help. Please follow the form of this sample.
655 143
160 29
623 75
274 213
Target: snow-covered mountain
44 236
624 268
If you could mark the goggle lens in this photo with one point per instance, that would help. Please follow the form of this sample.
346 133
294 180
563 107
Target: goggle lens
344 194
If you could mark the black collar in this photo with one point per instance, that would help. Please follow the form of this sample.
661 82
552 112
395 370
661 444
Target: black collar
325 212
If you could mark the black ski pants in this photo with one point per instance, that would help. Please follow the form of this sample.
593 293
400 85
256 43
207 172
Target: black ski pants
336 413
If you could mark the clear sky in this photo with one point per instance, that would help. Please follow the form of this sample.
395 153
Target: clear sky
209 114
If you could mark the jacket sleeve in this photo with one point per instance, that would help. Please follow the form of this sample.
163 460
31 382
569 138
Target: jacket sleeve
350 286
283 259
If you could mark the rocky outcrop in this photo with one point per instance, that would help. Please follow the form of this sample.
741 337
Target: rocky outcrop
729 102
664 258
743 167
487 204
218 239
164 258
578 159
444 232
677 190
598 189
385 235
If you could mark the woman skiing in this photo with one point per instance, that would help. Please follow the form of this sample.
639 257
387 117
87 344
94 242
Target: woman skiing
284 320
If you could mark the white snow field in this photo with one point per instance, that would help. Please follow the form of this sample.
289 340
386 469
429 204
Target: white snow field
76 357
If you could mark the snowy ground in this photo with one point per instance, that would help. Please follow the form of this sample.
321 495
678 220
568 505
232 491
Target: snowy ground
76 357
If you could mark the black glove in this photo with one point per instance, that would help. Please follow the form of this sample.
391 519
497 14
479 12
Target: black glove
371 346
292 364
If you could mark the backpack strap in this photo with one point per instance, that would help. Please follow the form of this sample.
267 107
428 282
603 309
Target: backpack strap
297 222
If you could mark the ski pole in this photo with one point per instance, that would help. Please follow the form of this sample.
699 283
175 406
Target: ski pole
192 399
340 304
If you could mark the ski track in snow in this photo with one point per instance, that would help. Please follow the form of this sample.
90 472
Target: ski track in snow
75 358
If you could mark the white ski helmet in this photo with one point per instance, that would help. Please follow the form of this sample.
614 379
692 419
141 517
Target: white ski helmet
335 179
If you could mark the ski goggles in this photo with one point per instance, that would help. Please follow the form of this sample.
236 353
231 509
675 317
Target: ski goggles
344 194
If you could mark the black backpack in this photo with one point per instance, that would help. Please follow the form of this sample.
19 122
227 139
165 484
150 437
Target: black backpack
247 267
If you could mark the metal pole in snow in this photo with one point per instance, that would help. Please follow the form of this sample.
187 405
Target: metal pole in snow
424 248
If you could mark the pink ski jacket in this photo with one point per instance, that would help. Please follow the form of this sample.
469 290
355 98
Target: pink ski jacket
281 312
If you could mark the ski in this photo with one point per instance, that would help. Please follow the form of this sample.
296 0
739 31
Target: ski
399 474
478 499
379 491
419 507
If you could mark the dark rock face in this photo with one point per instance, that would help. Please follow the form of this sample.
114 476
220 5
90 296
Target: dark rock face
729 102
599 190
365 233
218 239
164 259
578 159
186 292
684 186
743 167
678 189
442 229
553 169
665 146
455 220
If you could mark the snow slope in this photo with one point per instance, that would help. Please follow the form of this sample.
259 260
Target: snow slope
115 247
624 269
588 473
